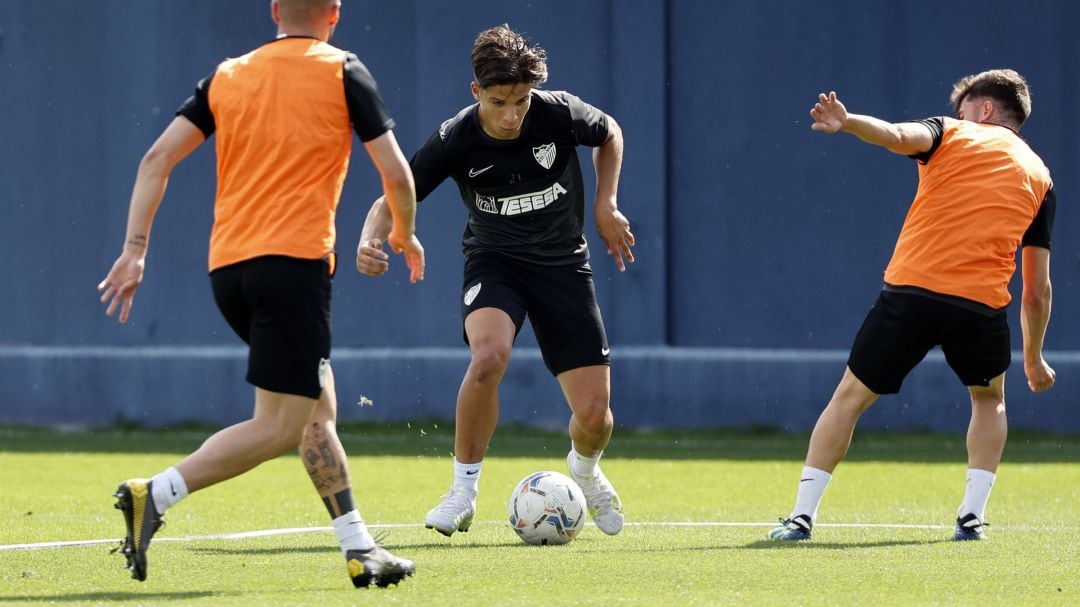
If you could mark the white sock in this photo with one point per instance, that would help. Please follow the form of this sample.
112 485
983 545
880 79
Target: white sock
581 465
812 486
352 533
467 477
167 488
977 493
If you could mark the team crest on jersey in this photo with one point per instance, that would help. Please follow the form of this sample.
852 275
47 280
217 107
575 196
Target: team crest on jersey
487 204
545 154
471 294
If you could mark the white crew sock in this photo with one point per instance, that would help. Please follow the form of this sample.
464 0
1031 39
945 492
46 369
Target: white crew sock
467 477
581 465
812 486
977 493
167 488
352 533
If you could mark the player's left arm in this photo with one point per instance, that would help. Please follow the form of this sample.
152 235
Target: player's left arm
1035 316
178 140
613 226
1036 301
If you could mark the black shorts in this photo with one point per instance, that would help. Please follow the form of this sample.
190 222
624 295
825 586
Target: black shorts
280 307
902 327
560 302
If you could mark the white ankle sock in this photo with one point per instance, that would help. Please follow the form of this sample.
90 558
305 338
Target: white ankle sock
977 493
812 486
352 533
167 488
581 465
467 477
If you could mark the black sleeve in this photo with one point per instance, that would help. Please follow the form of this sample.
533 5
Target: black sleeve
937 129
197 107
1038 233
429 165
590 124
368 113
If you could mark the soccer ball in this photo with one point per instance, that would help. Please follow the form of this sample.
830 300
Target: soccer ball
547 508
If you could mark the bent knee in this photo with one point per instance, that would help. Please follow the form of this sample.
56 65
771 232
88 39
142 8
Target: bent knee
488 363
594 417
989 403
988 396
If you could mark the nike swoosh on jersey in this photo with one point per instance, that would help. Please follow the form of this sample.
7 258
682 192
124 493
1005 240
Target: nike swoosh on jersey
474 172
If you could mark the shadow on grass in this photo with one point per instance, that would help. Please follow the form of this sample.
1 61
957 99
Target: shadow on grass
436 439
815 545
577 547
120 597
332 548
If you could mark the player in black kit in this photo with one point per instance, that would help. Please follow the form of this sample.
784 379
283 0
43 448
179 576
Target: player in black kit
513 156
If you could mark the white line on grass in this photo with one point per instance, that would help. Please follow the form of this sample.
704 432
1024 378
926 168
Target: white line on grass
293 530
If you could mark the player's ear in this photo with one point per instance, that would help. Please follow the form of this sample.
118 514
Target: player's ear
335 14
274 11
475 88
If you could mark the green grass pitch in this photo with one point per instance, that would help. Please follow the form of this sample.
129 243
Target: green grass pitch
698 508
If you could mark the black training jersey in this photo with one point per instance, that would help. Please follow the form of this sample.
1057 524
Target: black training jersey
525 196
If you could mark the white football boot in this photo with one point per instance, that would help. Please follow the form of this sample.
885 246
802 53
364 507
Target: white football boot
454 513
605 508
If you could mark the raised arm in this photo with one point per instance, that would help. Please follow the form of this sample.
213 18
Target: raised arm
906 138
1035 316
175 143
613 226
392 217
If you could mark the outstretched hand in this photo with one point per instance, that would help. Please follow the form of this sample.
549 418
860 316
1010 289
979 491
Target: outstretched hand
614 230
829 113
118 288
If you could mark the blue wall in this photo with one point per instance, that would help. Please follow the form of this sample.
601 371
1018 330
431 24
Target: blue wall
760 243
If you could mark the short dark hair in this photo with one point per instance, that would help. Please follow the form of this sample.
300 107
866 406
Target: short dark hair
1006 87
502 56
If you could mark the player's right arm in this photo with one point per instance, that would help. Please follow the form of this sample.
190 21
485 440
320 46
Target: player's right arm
393 216
427 169
371 260
906 138
175 143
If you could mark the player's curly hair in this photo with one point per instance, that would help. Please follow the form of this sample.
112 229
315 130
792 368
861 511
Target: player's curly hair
502 56
1006 87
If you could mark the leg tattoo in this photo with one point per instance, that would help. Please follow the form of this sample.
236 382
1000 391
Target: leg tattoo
325 463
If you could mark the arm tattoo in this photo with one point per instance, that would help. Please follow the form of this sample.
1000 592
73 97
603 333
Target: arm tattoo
138 240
